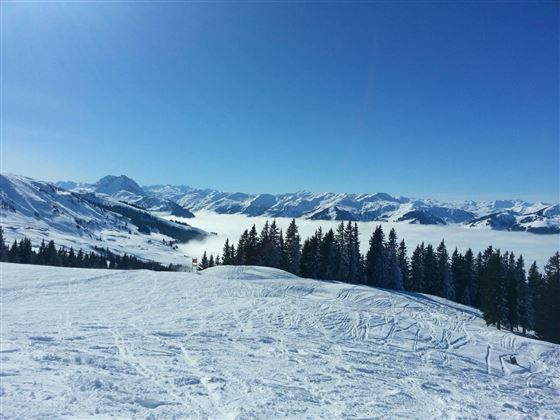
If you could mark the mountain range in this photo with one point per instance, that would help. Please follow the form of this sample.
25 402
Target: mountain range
180 200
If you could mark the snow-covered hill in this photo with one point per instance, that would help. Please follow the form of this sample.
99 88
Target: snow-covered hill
246 342
42 211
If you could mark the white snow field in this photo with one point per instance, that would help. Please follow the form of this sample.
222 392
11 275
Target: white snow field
247 342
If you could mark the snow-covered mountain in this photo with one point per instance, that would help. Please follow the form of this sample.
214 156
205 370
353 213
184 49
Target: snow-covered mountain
253 342
40 210
126 190
531 217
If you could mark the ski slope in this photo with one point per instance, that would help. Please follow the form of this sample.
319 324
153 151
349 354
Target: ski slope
247 342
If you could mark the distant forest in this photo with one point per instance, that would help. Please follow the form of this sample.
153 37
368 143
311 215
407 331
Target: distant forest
495 282
22 252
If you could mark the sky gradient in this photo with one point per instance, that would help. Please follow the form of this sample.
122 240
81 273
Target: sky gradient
443 100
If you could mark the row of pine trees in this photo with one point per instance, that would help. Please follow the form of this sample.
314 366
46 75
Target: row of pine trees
22 252
495 282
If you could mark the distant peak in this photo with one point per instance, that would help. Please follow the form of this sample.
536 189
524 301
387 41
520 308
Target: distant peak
112 184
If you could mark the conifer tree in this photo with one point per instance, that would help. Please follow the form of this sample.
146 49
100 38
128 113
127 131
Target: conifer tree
375 259
430 266
327 255
275 256
355 270
492 288
25 251
404 264
444 277
204 262
13 253
227 260
471 279
458 273
51 255
252 251
342 258
524 303
417 283
547 326
310 256
3 247
392 276
292 246
241 256
512 293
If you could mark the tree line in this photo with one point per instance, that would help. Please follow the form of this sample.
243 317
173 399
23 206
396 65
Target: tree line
23 252
495 282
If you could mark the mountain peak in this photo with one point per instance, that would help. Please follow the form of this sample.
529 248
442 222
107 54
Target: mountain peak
112 184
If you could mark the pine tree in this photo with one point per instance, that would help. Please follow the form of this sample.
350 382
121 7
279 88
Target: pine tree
492 288
471 279
548 307
458 273
253 255
341 253
375 259
310 256
444 277
534 284
204 262
292 246
226 254
211 261
241 256
512 293
404 265
275 256
25 251
51 255
524 303
355 270
417 283
327 257
392 276
13 253
3 247
265 246
80 258
430 265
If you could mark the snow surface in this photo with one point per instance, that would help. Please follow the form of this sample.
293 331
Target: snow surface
537 248
246 342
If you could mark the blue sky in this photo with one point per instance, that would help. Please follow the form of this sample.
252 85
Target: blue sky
444 100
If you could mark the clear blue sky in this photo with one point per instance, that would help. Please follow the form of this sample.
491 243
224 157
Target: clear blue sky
435 99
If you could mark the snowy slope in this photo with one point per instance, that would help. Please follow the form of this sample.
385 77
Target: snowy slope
42 211
244 342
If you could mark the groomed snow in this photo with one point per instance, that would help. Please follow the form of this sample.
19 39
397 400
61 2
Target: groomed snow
78 342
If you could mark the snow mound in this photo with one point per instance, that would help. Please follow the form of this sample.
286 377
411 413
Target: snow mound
246 272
